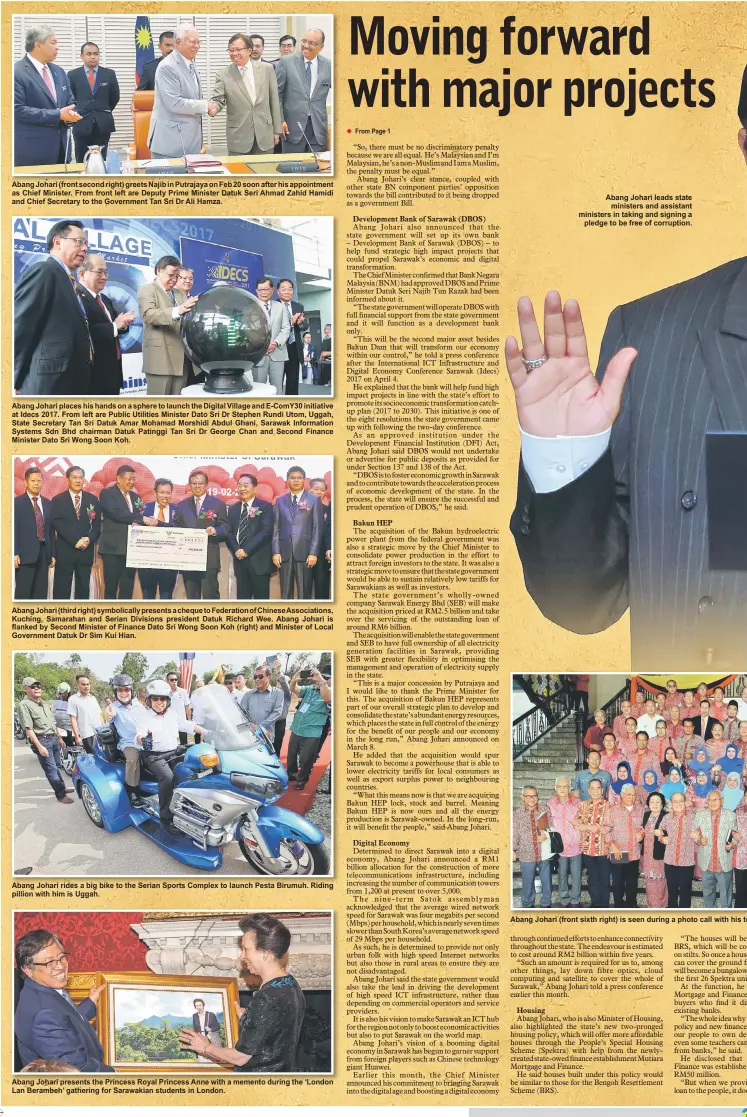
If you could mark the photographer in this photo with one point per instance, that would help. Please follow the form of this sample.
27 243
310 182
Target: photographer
312 711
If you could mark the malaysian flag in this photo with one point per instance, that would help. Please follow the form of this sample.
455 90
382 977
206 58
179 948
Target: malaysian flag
186 666
143 45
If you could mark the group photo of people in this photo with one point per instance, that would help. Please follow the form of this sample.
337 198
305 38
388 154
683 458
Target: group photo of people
112 306
120 737
127 94
629 791
169 528
226 992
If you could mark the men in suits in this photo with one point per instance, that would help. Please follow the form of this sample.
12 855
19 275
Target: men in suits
48 1024
33 539
272 364
178 107
297 536
161 583
325 356
106 326
205 1023
95 90
304 82
250 525
52 349
294 313
200 510
120 507
42 103
704 723
162 308
248 91
321 573
76 518
148 72
612 506
286 46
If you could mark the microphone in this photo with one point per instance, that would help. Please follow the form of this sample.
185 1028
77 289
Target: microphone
181 138
301 168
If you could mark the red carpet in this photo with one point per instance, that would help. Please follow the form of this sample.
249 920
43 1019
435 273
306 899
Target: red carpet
300 801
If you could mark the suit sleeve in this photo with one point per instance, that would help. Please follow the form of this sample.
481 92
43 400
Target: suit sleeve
16 527
219 91
70 531
221 523
275 113
264 534
151 314
114 93
573 543
284 332
170 90
316 528
117 514
147 79
280 79
55 1037
30 304
95 529
275 529
26 114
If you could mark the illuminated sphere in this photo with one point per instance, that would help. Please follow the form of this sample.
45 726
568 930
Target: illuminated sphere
227 331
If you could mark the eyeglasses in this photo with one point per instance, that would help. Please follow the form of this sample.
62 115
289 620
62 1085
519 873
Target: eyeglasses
99 271
258 677
76 240
52 962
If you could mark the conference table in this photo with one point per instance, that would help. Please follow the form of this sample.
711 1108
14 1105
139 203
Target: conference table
231 165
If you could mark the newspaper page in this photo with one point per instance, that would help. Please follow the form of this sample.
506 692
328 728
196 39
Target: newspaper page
374 607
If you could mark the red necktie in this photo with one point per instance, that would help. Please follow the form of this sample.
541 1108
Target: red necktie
49 83
91 79
39 518
100 301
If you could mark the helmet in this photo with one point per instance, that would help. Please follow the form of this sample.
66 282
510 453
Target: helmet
117 681
63 688
158 689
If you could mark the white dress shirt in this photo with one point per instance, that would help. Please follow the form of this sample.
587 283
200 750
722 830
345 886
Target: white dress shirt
552 463
165 729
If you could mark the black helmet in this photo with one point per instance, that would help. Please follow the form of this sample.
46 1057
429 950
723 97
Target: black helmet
117 681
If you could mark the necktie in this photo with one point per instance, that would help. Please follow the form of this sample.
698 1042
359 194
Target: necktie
294 500
91 79
82 306
243 522
49 83
247 74
39 518
76 504
102 304
161 516
66 997
198 505
172 297
267 310
307 78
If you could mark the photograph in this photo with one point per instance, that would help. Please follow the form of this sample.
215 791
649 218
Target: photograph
122 991
221 761
130 306
172 528
629 790
117 94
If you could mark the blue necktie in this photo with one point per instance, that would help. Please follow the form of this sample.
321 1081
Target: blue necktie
307 78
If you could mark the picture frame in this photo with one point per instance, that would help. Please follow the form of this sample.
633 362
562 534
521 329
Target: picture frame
140 1015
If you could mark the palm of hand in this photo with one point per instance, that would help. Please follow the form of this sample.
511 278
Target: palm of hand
562 397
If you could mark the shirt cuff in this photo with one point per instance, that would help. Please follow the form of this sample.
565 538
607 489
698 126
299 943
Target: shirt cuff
552 463
175 313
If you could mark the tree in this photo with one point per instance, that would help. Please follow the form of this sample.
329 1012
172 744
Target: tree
134 664
162 672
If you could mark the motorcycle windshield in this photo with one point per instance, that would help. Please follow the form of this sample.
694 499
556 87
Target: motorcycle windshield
227 726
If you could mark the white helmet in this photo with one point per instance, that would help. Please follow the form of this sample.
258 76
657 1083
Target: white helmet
63 688
158 689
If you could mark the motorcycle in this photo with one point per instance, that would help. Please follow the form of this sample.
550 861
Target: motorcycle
69 753
225 790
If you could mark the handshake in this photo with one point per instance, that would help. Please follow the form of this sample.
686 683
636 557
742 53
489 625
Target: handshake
212 108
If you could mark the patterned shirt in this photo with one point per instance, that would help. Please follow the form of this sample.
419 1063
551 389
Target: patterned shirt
527 842
681 849
641 761
740 853
624 824
562 815
592 813
716 829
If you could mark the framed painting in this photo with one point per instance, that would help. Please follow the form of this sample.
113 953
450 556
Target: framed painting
140 1016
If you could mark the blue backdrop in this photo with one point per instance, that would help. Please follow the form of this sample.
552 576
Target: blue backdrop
220 250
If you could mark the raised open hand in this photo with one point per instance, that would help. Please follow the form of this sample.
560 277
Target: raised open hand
562 396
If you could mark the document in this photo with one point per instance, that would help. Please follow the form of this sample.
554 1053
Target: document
166 548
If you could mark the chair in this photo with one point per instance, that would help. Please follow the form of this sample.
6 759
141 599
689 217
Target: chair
142 108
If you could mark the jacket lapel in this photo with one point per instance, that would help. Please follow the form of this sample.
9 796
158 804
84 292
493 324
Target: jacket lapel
725 353
40 80
235 74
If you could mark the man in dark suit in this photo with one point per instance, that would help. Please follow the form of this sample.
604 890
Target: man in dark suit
33 539
612 508
53 352
120 507
48 1024
304 83
325 356
321 573
42 103
205 1023
160 582
148 73
297 536
76 518
703 724
96 92
294 313
250 523
106 324
208 512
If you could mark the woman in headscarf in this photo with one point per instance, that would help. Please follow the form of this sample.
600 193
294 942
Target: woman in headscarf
674 782
649 784
593 824
731 790
652 862
731 761
623 776
699 762
740 856
679 858
701 787
671 760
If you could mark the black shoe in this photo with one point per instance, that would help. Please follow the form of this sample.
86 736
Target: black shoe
173 830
